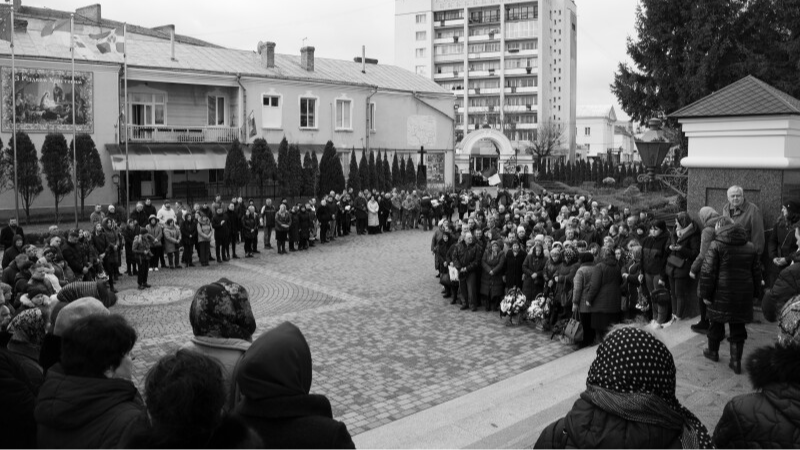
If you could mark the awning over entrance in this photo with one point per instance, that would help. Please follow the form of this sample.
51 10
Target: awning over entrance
147 157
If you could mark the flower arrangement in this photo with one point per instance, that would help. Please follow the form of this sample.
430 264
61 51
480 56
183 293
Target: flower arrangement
539 309
643 304
513 303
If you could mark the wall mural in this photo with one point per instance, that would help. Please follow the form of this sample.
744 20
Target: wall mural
421 131
435 167
44 100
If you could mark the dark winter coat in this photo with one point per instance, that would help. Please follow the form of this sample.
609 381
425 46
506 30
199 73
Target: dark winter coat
19 386
786 286
268 213
294 228
442 250
361 208
140 217
655 251
589 426
769 417
275 379
514 268
781 243
466 257
690 247
323 214
605 294
708 223
730 277
582 283
150 209
189 232
533 265
249 227
304 224
10 253
221 226
82 412
493 285
76 257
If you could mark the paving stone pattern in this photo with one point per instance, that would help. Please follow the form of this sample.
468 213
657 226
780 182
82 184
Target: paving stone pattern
384 343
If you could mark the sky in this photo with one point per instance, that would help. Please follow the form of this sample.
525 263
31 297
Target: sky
338 29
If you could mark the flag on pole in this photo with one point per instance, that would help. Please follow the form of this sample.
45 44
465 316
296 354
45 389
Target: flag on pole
6 27
58 25
251 122
111 41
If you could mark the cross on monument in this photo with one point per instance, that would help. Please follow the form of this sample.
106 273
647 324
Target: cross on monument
422 156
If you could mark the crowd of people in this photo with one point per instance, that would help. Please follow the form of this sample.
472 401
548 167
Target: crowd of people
66 361
66 381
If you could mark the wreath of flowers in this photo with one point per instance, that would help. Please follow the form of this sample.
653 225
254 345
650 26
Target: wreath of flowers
539 309
512 303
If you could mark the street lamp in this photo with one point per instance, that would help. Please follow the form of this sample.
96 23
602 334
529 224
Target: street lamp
653 147
115 180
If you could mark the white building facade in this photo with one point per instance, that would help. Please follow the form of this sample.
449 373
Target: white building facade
595 130
510 64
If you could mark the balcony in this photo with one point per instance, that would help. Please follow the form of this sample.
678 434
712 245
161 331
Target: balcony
526 52
449 23
448 75
449 40
484 91
484 55
520 108
526 126
182 134
521 71
520 90
452 57
484 37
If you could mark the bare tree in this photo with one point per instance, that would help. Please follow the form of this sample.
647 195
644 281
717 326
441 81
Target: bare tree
549 136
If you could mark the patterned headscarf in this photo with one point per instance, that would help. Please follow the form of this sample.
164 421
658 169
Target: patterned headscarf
570 256
633 377
789 323
28 327
222 309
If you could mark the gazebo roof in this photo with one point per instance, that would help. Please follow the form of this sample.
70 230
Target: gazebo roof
746 97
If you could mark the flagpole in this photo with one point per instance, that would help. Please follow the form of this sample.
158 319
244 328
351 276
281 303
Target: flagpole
14 116
125 118
74 130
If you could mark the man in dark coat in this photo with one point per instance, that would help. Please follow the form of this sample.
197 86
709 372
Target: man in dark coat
324 218
149 208
385 211
782 244
468 263
139 214
769 417
274 376
729 280
268 214
77 257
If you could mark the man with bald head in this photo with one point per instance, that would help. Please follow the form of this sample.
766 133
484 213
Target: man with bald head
746 214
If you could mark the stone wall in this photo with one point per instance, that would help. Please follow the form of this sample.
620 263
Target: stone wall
708 187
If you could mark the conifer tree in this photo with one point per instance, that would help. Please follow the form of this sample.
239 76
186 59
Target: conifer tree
397 176
380 183
411 174
363 170
262 164
387 173
283 168
308 176
295 171
90 168
373 173
57 167
315 172
353 180
402 177
29 177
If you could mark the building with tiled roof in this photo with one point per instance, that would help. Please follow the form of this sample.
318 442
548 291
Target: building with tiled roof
187 100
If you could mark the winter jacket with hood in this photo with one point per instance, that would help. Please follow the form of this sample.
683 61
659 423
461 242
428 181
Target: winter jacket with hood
19 386
605 292
655 251
84 412
769 417
582 285
274 377
708 221
156 230
492 285
786 286
689 243
729 276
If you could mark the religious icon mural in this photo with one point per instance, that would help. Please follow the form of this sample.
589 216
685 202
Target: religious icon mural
435 167
43 101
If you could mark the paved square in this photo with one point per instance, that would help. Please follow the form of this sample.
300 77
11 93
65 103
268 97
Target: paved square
384 343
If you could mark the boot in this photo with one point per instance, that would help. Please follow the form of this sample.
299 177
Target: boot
700 327
737 348
712 352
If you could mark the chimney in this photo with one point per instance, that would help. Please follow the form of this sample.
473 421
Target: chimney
170 30
307 58
267 52
363 59
91 12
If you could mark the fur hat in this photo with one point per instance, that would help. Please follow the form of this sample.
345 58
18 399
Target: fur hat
78 309
789 322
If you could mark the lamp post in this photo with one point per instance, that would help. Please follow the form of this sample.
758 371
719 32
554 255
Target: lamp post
653 147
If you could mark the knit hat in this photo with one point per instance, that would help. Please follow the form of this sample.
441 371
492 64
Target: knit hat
633 377
222 309
789 322
793 206
78 309
28 327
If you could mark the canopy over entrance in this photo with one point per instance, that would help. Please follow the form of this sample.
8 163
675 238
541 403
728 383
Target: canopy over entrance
170 156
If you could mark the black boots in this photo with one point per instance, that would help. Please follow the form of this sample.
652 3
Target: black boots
701 327
737 348
712 352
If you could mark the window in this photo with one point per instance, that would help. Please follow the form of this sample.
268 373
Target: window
343 110
448 49
420 53
371 116
421 71
587 131
453 14
216 110
522 12
421 35
271 111
421 18
147 109
308 112
214 175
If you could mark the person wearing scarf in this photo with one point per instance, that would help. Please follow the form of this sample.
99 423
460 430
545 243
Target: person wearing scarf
629 401
684 249
492 285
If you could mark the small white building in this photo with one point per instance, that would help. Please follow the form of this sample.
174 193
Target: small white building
595 130
624 142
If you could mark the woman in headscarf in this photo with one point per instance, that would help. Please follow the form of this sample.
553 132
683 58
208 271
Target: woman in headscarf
222 324
274 377
492 285
172 244
283 220
28 329
533 271
581 287
629 401
604 299
515 257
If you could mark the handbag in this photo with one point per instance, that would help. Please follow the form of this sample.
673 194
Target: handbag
573 332
453 274
676 261
444 279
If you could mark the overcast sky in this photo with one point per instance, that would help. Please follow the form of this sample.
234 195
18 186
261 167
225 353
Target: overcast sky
338 29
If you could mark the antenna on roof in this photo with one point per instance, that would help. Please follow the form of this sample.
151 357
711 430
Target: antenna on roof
304 42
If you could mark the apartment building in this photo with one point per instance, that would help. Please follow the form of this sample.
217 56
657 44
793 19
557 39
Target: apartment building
510 64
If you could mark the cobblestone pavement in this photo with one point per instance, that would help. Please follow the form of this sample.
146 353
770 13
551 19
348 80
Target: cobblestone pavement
384 343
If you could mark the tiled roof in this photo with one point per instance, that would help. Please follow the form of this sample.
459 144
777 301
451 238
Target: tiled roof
585 111
145 51
746 97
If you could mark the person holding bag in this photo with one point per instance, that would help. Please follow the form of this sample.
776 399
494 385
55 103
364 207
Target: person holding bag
684 249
